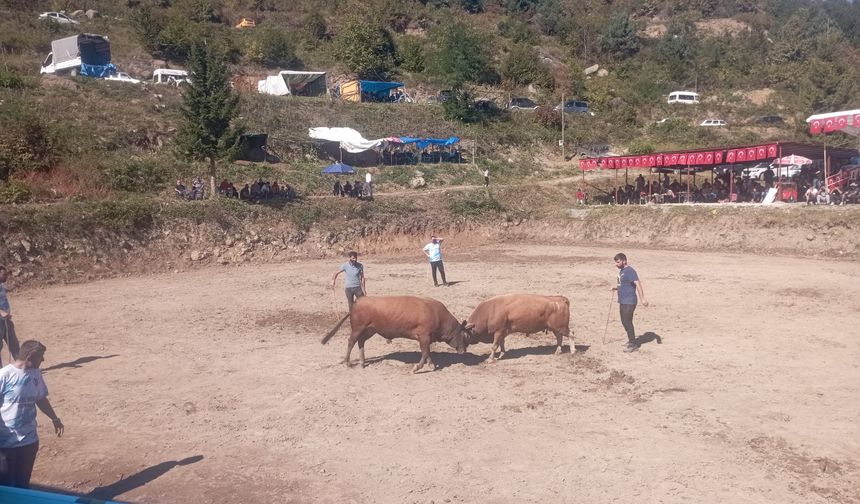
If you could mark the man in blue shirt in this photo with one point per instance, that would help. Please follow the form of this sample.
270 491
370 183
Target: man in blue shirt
7 328
628 287
433 251
354 284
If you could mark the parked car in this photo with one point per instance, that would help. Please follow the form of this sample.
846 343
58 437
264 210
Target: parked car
575 106
123 77
520 103
57 17
170 76
713 123
687 97
757 171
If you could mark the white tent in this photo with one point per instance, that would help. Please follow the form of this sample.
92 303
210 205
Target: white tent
349 139
294 82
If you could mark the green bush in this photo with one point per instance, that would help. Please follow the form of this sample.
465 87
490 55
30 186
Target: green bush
271 48
136 175
315 26
461 55
523 66
14 192
411 54
459 107
25 146
10 79
365 48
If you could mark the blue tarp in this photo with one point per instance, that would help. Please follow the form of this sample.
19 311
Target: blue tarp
9 495
338 169
423 143
97 70
378 88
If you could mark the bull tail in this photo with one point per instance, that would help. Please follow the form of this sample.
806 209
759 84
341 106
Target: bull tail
331 333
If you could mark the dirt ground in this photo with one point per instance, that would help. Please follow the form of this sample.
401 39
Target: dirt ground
212 386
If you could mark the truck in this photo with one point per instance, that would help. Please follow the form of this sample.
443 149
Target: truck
84 54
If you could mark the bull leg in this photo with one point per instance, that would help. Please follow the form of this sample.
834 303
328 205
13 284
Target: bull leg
498 341
425 354
353 337
559 337
362 338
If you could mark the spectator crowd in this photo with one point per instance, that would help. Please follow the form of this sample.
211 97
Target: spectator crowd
255 192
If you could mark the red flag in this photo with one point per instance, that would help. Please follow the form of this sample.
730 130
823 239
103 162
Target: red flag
652 160
772 150
751 153
682 159
829 125
741 155
841 122
673 160
856 122
709 158
815 127
624 162
700 158
761 152
718 157
730 157
581 164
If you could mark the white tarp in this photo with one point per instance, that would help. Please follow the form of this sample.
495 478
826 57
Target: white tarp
288 80
349 139
273 85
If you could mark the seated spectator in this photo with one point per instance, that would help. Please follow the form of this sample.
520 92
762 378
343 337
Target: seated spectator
823 197
180 189
245 193
357 189
231 191
337 190
197 191
255 191
580 196
289 192
276 189
222 188
347 189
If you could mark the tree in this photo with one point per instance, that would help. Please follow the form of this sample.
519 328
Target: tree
365 48
523 66
271 48
207 132
460 56
619 38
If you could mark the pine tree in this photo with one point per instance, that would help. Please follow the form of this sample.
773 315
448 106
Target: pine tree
210 105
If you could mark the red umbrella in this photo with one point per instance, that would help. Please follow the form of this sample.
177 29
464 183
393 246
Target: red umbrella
793 159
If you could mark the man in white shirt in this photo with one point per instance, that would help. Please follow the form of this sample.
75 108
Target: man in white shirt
433 251
368 184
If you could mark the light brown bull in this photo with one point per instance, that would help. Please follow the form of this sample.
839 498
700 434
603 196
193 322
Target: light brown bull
497 317
422 319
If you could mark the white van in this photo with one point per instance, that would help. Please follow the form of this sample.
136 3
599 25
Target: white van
170 76
688 97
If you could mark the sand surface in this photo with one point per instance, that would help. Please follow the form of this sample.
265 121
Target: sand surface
211 386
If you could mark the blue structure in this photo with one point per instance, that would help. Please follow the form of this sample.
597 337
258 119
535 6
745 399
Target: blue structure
9 495
338 169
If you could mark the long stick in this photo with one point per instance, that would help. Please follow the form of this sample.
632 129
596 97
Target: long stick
608 314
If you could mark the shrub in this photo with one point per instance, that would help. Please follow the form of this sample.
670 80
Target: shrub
548 118
14 192
517 31
459 107
315 26
619 37
10 79
472 6
135 175
25 146
271 48
146 27
474 204
178 37
411 54
523 66
461 55
365 48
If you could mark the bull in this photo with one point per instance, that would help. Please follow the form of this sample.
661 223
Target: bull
422 319
499 316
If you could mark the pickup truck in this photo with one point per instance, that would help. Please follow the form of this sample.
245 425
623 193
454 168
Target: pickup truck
85 54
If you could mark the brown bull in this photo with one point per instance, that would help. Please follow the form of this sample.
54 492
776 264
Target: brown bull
422 319
497 317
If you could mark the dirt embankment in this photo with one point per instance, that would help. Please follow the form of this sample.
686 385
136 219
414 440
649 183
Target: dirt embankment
40 251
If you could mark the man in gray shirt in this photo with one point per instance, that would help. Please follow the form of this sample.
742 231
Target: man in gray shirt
354 283
7 328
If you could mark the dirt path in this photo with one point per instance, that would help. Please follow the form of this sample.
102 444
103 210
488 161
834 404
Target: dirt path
211 386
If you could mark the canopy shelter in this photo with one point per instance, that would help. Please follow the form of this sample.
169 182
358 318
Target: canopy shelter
706 159
338 169
295 83
368 91
423 143
846 121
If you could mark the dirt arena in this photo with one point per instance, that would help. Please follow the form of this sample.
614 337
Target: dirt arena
212 386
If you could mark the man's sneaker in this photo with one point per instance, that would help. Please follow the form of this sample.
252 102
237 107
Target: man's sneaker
631 347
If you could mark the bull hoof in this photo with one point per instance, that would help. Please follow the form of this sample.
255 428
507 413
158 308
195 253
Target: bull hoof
558 351
416 369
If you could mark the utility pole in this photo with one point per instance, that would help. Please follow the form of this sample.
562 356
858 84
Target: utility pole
563 158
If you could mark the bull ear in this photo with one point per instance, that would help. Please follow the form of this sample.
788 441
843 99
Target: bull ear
467 325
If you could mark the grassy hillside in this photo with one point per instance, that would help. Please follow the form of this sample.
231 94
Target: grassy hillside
76 137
